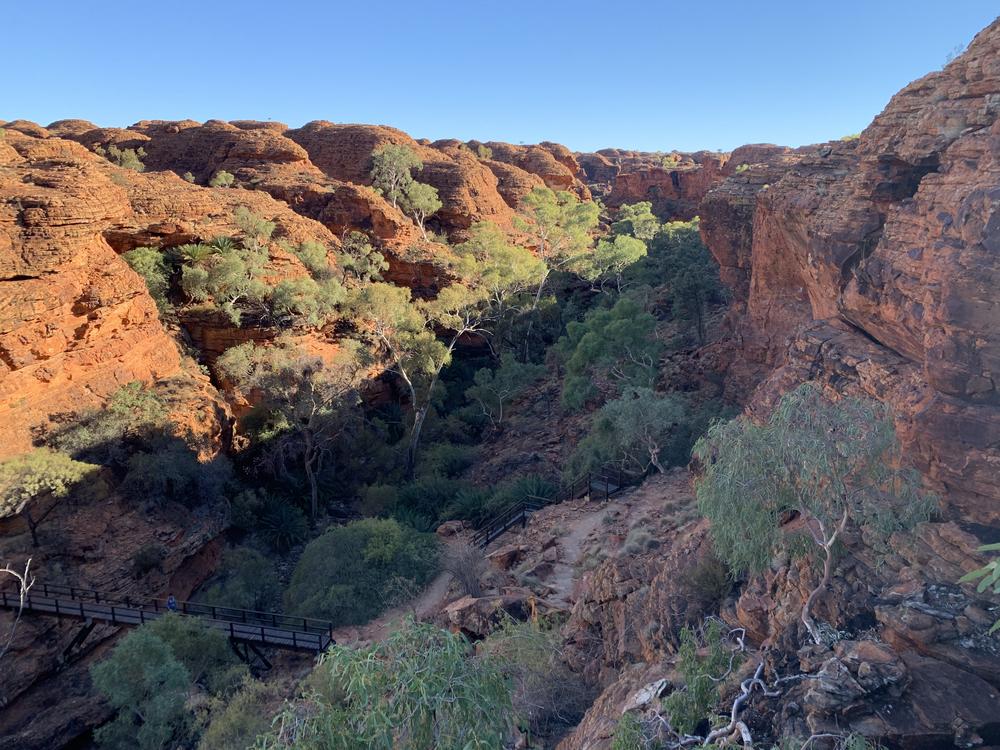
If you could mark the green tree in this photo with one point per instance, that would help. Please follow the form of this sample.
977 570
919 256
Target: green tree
404 332
203 651
129 158
305 301
146 684
636 220
311 404
834 464
560 226
33 483
222 179
391 173
637 429
422 688
343 574
610 349
150 263
247 581
610 259
492 388
421 202
359 260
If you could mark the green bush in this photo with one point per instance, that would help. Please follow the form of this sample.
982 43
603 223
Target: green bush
446 459
129 158
203 651
238 721
147 559
282 525
150 263
246 580
147 686
422 688
690 707
628 734
342 574
422 502
222 179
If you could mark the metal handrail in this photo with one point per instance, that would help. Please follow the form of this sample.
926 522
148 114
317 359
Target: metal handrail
212 611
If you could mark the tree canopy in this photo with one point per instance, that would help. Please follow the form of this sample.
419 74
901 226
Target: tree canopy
832 463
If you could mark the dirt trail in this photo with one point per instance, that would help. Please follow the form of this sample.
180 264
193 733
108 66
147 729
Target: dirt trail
427 604
571 547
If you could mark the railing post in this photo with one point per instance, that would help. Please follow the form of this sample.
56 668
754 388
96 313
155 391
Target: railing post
294 644
232 633
57 606
113 619
213 613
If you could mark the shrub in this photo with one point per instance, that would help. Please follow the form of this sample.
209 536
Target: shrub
707 586
391 170
203 651
222 179
167 470
147 686
282 526
313 256
628 734
305 301
247 581
446 459
129 158
188 177
422 688
134 415
467 565
426 497
149 263
148 558
484 152
341 573
547 696
238 721
691 706
741 168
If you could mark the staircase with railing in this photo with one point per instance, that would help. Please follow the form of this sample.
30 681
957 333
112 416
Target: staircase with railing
598 484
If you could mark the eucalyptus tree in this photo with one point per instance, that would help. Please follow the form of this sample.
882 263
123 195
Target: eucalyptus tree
835 465
311 403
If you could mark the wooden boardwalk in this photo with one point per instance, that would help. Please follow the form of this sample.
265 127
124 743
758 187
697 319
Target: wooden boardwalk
242 626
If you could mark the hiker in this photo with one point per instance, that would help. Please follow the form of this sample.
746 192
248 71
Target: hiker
171 603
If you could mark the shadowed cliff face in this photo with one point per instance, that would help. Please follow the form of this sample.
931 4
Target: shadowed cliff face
872 265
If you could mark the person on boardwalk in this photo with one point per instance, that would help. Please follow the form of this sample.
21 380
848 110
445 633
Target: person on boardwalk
172 603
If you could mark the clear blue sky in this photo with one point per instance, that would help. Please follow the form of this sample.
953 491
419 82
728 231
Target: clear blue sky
652 75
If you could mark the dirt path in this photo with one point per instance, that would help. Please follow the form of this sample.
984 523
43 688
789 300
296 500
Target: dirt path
428 603
571 551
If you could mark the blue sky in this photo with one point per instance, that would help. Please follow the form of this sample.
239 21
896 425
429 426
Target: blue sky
651 75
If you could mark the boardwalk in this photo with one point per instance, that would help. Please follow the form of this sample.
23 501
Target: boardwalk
242 626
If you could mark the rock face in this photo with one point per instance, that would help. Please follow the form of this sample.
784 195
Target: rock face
872 266
75 322
674 183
